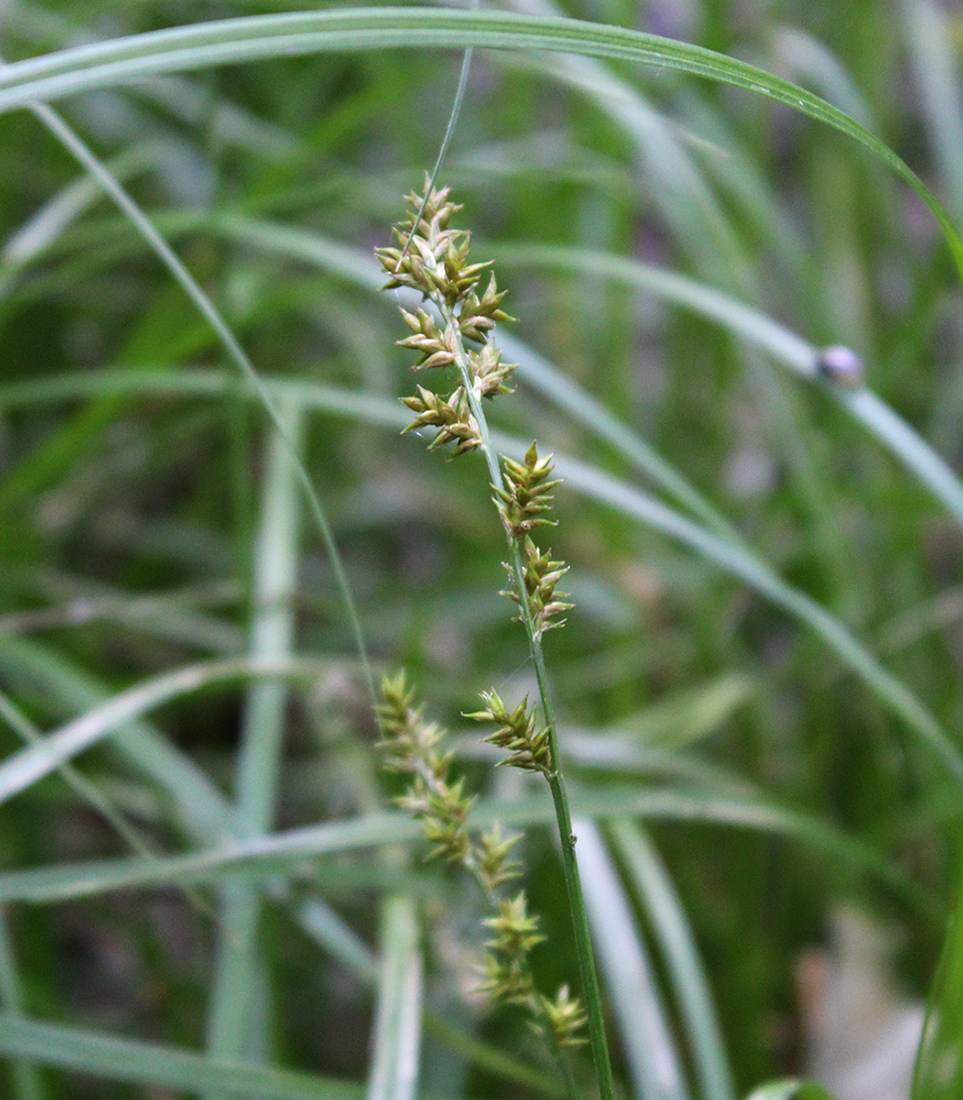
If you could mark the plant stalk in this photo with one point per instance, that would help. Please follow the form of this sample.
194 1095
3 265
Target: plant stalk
573 884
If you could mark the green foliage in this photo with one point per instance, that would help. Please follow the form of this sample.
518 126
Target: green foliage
209 519
939 1065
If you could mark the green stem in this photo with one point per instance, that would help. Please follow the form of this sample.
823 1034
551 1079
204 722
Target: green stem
573 881
563 816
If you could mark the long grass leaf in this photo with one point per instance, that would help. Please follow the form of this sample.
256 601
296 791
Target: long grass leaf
785 347
88 792
25 1079
201 45
890 690
680 958
553 384
397 1035
932 57
939 1064
808 59
640 1013
200 808
135 1062
262 734
98 171
733 559
671 179
26 767
286 852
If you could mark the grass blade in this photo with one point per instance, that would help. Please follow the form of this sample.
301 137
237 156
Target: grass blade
24 1076
142 1063
891 691
932 57
26 767
939 1063
785 347
680 957
287 851
229 342
397 1035
201 809
85 790
640 1012
226 41
262 734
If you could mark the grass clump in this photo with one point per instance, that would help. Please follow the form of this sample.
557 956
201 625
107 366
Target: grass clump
737 348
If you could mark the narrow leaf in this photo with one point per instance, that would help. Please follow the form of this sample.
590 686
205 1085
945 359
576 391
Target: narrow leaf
397 1036
939 1064
142 1063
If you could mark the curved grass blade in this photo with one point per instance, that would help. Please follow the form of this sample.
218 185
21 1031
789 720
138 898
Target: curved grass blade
40 232
226 41
803 56
633 503
136 1062
892 691
558 388
81 786
200 808
27 766
23 1073
635 999
785 346
934 68
680 957
672 179
97 170
289 851
204 383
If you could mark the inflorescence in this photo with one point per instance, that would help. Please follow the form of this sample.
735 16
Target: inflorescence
432 258
413 747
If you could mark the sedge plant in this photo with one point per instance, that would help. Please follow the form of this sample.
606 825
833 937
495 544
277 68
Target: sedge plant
414 747
432 257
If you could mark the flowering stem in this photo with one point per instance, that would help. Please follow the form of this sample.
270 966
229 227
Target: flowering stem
573 884
433 259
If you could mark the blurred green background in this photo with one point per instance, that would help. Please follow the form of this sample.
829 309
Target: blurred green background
148 522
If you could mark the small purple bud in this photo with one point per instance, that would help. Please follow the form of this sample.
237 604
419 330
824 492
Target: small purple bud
840 365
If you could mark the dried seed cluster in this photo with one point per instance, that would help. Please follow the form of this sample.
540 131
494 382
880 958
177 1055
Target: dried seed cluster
524 503
508 978
414 747
433 258
530 747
